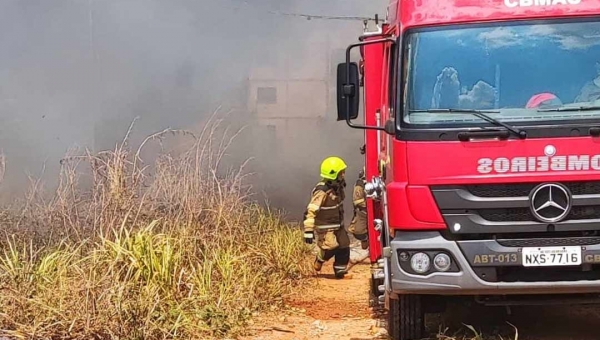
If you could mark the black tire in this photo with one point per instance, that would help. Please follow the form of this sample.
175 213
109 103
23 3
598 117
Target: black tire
406 319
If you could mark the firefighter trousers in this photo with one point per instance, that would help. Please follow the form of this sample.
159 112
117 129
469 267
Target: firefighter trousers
358 228
341 259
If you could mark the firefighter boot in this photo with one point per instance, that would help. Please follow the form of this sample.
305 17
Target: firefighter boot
322 257
340 266
342 274
364 244
318 265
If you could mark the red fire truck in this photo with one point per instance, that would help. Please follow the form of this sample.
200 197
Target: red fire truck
482 133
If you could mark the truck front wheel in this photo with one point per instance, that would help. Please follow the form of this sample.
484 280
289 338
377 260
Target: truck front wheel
406 318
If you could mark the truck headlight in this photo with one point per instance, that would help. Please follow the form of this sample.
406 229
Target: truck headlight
420 263
442 262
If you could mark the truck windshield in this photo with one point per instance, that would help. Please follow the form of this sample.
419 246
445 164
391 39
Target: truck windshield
525 73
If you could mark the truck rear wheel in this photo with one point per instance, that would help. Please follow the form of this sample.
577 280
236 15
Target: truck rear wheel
406 319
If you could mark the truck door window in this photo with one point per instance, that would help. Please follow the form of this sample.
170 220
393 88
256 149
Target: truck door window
518 70
392 84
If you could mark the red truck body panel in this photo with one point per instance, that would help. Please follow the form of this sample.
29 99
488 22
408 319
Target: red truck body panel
413 166
447 163
372 55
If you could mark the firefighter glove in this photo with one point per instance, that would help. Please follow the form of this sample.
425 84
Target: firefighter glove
308 237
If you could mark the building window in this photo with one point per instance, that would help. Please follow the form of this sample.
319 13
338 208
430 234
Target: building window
267 95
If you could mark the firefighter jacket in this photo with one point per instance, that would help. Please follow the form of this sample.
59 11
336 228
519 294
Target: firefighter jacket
358 227
359 197
325 216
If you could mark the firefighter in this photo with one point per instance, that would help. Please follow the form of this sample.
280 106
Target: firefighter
358 226
324 218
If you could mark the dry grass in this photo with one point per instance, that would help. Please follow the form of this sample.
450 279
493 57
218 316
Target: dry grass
134 250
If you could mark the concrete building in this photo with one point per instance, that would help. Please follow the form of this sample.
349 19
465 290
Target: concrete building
292 104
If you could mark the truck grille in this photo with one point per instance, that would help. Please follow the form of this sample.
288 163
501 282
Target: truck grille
524 214
505 208
550 242
523 189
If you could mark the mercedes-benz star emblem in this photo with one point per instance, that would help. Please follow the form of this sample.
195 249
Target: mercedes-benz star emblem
550 202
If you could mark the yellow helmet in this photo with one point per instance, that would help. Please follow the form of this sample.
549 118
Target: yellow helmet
331 167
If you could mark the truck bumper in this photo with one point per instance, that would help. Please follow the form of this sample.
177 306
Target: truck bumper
480 278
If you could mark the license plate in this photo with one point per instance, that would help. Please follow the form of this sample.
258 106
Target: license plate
551 256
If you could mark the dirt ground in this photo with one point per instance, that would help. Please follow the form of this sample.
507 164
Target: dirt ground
338 309
326 309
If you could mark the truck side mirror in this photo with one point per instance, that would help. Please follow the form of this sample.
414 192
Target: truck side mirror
348 85
348 95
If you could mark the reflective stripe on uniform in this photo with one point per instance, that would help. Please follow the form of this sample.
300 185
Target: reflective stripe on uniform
308 235
314 207
329 226
359 201
338 268
332 207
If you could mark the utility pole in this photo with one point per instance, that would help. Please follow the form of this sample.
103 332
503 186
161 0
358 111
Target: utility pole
93 79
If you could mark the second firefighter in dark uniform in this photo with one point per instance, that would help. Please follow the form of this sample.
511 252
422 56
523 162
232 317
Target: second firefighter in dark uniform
324 219
358 226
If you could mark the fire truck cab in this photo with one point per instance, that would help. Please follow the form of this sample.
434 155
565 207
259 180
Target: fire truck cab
481 122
